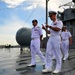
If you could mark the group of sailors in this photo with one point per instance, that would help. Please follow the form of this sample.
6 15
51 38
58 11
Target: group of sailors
59 39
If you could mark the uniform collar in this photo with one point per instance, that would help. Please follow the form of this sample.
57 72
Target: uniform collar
65 31
55 21
35 27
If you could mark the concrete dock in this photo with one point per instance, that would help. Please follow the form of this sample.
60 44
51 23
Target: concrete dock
14 62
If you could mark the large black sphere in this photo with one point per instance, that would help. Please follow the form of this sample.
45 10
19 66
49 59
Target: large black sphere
23 36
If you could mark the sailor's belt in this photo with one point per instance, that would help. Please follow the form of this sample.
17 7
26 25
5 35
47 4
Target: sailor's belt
51 35
34 38
54 35
64 39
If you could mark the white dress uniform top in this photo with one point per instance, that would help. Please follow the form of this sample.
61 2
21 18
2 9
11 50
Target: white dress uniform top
35 45
53 45
65 35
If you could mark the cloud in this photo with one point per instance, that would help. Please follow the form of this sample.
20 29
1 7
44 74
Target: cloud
8 31
30 7
52 4
13 3
31 4
11 26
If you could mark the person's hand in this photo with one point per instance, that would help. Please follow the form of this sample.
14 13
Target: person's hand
43 27
47 25
70 43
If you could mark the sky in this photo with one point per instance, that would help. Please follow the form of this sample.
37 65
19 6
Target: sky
15 14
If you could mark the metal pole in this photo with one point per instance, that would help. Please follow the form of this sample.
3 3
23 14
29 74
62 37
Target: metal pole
46 14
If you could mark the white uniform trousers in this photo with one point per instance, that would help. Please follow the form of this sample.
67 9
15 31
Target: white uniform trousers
65 48
35 49
53 45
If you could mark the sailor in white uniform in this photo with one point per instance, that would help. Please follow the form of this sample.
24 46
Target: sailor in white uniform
53 44
66 39
36 37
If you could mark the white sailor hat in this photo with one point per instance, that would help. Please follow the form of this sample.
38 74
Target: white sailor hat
52 12
64 26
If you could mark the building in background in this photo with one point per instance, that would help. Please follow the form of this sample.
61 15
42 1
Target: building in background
68 18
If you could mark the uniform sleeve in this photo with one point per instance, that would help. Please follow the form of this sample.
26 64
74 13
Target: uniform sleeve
59 24
61 35
69 34
31 32
40 31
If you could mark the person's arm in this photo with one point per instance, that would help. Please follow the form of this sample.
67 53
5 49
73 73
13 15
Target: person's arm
40 33
58 27
53 28
43 27
41 36
70 40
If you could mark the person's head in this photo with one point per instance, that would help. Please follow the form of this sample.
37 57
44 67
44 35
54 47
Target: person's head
52 15
64 28
34 22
